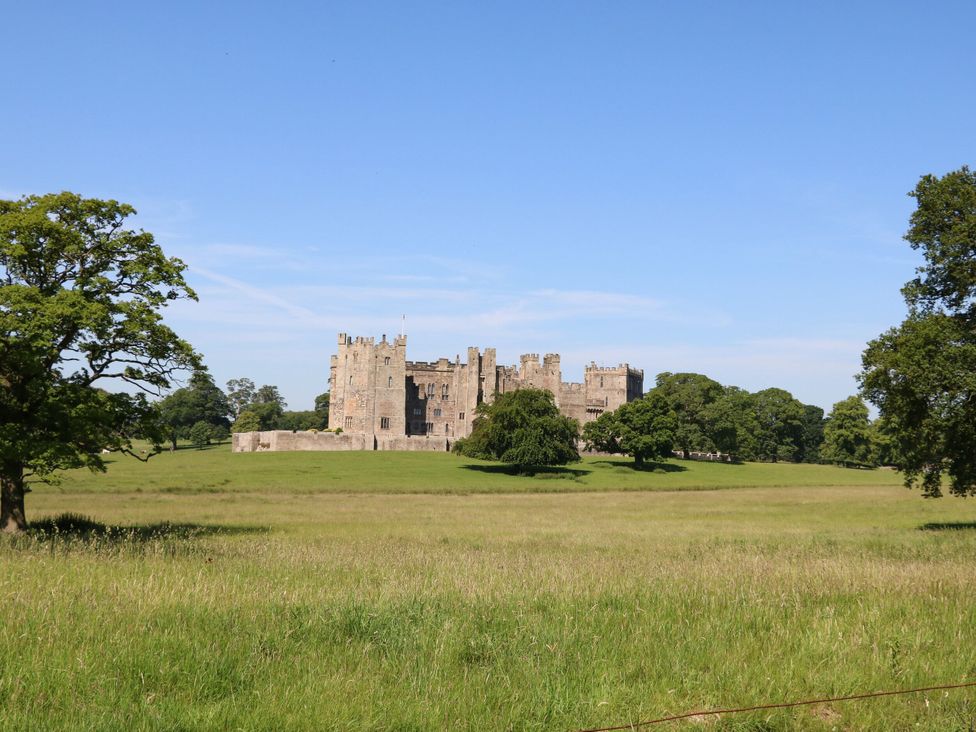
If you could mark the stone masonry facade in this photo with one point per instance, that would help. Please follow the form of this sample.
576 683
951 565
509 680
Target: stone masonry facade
377 391
382 401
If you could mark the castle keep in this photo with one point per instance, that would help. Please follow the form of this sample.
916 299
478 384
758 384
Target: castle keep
380 400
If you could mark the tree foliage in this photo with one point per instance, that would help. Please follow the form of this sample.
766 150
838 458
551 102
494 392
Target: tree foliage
811 434
922 374
200 401
240 395
922 378
265 402
80 302
645 428
779 419
301 420
732 423
200 434
322 408
522 428
689 396
246 421
848 437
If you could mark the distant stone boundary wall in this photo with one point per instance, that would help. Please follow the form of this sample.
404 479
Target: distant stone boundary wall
288 441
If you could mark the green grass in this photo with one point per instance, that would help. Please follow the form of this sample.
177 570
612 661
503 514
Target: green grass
218 470
415 594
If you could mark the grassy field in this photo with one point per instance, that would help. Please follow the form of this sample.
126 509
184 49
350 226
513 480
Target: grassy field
217 470
409 592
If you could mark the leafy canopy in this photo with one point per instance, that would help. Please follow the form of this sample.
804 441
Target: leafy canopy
848 437
644 428
689 396
522 428
922 374
200 401
80 302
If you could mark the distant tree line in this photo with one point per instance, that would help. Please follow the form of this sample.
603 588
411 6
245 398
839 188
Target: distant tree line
688 413
202 413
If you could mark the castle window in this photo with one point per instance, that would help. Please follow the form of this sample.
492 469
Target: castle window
430 389
437 413
429 428
606 401
601 382
460 415
350 379
389 382
348 423
384 423
444 392
417 411
386 361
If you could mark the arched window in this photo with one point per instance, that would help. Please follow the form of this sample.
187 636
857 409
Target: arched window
386 361
389 382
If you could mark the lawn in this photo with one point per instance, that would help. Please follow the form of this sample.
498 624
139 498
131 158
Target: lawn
217 469
387 591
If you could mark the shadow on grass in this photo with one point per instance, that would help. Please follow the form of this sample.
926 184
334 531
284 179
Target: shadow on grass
545 471
949 526
76 526
645 468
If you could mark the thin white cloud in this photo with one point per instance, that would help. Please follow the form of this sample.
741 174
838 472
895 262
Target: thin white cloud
258 293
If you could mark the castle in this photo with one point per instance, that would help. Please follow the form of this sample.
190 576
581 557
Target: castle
375 389
382 401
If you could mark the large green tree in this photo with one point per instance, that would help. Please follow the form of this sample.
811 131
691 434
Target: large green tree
812 434
265 402
689 396
644 428
80 302
240 394
779 419
732 423
522 428
322 408
922 374
200 401
848 434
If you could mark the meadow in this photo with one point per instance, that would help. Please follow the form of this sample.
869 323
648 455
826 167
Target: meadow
386 591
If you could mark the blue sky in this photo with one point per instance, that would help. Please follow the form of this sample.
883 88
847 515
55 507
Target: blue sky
711 187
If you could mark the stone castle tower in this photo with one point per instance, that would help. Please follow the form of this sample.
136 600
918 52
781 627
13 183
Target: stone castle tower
376 391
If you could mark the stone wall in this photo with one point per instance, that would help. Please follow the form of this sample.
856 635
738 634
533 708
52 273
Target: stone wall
288 441
572 401
413 443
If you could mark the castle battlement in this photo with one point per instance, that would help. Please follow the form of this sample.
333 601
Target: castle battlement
622 368
438 365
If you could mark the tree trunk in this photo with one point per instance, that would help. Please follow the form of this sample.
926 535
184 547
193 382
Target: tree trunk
12 518
638 461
